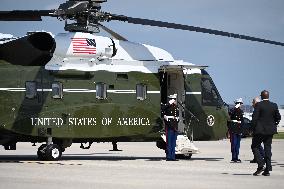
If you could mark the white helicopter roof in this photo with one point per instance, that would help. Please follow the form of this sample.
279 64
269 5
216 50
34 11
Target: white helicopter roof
129 56
6 37
130 51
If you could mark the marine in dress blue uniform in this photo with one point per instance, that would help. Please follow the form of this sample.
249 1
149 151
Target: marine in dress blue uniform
235 129
171 117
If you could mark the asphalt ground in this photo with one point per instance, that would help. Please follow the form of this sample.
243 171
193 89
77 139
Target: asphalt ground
139 165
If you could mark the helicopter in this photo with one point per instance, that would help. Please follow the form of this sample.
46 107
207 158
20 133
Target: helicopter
80 87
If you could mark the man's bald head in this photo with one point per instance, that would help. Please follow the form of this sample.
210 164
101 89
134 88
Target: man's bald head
255 100
264 94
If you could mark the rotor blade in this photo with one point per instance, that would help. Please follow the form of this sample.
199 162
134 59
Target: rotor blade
24 15
190 28
112 33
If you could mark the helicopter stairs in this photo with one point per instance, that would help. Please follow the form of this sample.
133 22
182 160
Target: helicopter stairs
184 147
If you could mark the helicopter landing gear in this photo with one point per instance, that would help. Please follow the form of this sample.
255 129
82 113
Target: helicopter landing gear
86 147
53 152
49 151
114 147
41 152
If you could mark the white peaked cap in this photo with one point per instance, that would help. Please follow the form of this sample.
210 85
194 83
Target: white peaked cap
173 96
239 100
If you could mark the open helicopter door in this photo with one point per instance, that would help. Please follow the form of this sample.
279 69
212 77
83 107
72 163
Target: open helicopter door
172 81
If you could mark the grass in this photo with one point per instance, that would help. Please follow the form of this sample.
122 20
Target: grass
280 135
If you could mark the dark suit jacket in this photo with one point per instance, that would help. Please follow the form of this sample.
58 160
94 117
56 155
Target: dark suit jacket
265 118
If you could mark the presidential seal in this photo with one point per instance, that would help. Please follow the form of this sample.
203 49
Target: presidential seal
210 120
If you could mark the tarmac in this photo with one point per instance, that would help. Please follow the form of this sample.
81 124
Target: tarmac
139 165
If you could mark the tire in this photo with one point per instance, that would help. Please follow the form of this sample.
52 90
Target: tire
41 152
53 152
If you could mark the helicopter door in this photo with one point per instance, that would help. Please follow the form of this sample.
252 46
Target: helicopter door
172 82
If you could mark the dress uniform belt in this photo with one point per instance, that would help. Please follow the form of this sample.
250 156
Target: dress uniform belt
235 121
172 117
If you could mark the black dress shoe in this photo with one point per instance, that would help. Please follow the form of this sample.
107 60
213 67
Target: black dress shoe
258 171
266 173
238 160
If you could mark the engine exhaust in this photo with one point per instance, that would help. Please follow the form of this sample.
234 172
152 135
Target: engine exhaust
32 50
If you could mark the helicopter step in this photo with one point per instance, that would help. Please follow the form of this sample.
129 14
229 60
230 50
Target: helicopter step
184 147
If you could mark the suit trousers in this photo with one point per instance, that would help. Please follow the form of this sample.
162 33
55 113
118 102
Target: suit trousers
171 143
256 143
261 150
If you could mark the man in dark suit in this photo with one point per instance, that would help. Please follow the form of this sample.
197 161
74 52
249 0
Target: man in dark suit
261 150
265 119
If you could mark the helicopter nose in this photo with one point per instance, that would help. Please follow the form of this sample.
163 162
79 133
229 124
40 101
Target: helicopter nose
35 49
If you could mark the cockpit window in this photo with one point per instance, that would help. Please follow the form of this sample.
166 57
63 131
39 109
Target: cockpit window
210 94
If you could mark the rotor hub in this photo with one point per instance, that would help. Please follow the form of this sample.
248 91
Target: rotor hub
86 16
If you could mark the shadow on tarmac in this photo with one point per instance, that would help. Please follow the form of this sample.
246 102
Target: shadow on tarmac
91 156
206 159
240 174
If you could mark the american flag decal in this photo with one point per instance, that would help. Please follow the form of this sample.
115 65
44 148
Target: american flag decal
83 45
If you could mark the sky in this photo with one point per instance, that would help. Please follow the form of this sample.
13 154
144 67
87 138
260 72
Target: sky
239 68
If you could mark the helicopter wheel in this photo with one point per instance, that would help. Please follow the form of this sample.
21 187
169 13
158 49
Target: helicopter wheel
41 152
53 152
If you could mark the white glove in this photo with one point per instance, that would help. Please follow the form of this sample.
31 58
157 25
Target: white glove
171 101
166 117
237 105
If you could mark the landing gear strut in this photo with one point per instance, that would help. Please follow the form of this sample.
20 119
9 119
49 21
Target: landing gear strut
49 151
114 147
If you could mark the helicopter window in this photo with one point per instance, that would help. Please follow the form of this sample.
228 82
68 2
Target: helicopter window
121 76
111 86
210 95
57 90
141 91
31 89
101 91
